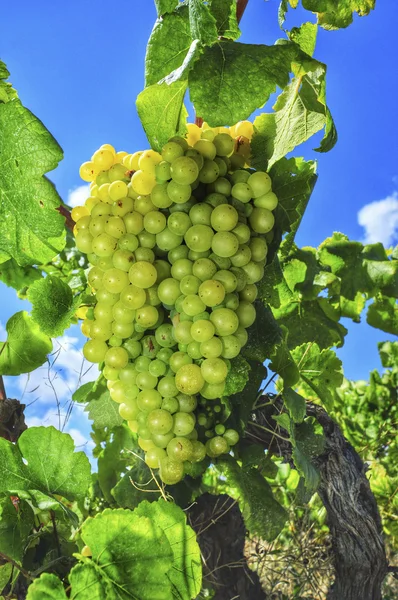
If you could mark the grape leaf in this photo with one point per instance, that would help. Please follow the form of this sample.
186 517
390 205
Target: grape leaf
231 80
103 410
243 402
167 46
15 526
226 18
5 576
129 553
321 372
202 22
127 495
306 469
18 277
31 230
114 458
383 314
186 574
26 347
49 587
305 37
162 111
237 377
295 403
335 14
53 305
52 465
7 92
262 514
165 6
300 111
388 353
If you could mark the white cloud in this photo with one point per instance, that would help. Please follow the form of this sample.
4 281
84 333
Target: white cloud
380 220
78 196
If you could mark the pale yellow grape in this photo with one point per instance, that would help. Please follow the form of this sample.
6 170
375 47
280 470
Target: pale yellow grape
103 159
143 183
120 156
91 201
88 171
194 133
117 190
79 212
108 147
103 192
244 128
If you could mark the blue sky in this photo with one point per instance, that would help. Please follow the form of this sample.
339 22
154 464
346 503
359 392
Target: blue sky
79 67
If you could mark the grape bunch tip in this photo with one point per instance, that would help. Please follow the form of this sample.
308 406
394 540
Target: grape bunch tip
177 241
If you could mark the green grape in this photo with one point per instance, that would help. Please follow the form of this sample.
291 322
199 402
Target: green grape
97 225
224 244
221 186
171 471
189 285
184 170
231 301
261 220
225 321
198 451
150 347
259 249
94 278
103 312
157 368
222 164
182 332
202 330
167 240
214 370
204 269
231 436
147 239
154 456
242 256
239 176
212 391
170 404
116 357
231 346
123 259
196 255
162 269
152 297
105 263
133 348
164 354
206 148
134 222
224 218
103 245
167 387
115 280
122 206
142 274
110 373
216 446
260 183
177 254
242 192
181 268
246 314
189 379
147 316
129 411
193 305
122 314
200 214
242 232
132 297
268 201
196 156
211 292
95 351
102 177
208 134
142 363
187 403
164 337
171 151
180 448
162 171
193 350
121 331
224 144
159 421
143 205
209 172
179 223
161 440
115 227
211 348
169 291
183 423
160 197
241 277
178 359
199 238
254 273
118 172
222 263
105 297
227 279
148 399
178 193
215 199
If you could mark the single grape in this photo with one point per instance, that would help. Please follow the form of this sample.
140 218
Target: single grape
154 456
189 379
183 423
199 238
159 421
171 471
95 351
180 448
211 292
184 170
214 370
260 183
142 274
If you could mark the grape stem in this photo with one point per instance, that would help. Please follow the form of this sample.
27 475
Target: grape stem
26 574
69 222
3 395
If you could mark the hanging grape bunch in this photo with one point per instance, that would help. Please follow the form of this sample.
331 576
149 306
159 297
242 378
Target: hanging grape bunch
177 243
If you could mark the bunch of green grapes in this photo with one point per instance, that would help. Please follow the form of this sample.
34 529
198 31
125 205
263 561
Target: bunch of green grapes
178 242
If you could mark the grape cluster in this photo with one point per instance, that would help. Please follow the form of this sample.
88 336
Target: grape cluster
178 241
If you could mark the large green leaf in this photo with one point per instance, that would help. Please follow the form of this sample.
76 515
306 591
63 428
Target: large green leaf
26 347
162 111
165 6
334 14
15 526
263 515
128 492
186 573
53 305
131 555
321 372
7 92
237 377
168 45
48 587
295 403
231 80
18 277
305 37
243 402
226 18
383 314
203 24
31 230
114 458
101 409
5 575
52 466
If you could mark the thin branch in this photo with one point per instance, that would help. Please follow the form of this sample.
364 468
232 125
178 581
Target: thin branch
26 574
3 395
240 9
69 222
